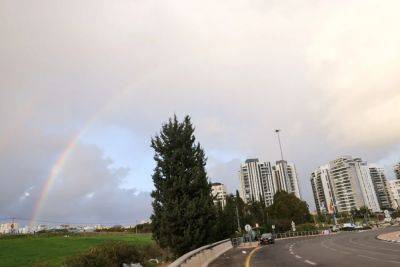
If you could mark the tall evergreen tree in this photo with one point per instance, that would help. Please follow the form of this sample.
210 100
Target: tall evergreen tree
226 220
183 212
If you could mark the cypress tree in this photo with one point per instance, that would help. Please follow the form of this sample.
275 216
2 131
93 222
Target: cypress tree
183 212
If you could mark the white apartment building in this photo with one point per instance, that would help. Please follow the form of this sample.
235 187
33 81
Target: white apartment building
381 186
218 191
394 189
256 181
261 180
322 190
344 184
285 177
9 228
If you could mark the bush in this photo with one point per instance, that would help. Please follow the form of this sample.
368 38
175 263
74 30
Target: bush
114 254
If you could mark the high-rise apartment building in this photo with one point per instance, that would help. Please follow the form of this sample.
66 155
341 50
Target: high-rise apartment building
394 190
218 191
397 170
342 185
381 186
262 180
256 181
322 190
285 177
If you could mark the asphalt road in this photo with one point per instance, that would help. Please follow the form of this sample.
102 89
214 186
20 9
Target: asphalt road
343 249
351 249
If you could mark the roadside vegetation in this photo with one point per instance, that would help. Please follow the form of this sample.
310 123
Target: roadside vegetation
54 249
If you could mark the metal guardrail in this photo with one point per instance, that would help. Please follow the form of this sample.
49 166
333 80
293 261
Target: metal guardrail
201 261
301 233
241 240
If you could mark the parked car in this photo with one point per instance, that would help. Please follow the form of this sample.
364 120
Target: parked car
348 227
267 238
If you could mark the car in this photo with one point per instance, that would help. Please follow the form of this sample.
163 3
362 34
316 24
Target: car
267 238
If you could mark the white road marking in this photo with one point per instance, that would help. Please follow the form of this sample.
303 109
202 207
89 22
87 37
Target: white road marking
310 262
373 247
333 249
368 257
297 256
376 259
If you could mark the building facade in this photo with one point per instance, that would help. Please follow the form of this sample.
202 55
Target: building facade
285 177
218 191
322 190
394 190
9 228
261 180
381 186
342 185
396 169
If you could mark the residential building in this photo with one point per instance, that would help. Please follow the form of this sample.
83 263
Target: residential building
397 170
9 228
322 190
218 191
381 186
261 180
394 189
256 181
342 185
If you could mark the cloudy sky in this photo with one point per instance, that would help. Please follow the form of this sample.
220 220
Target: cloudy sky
107 74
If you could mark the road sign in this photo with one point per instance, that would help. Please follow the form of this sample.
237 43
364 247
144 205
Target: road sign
247 227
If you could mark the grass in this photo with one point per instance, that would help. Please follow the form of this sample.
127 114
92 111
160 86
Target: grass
53 250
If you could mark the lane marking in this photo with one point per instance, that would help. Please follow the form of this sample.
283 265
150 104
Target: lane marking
368 257
373 247
248 258
310 262
333 249
376 259
297 256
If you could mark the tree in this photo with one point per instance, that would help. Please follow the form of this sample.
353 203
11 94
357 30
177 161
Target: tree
183 212
287 208
226 219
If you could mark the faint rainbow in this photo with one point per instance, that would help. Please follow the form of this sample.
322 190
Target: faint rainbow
55 170
59 164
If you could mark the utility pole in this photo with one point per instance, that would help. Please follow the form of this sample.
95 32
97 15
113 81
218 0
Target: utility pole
279 141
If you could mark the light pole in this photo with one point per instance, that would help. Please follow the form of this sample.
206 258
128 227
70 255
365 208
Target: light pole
279 141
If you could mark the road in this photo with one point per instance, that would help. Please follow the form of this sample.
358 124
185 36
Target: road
351 249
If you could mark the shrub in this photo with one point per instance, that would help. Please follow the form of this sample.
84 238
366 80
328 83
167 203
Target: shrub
113 254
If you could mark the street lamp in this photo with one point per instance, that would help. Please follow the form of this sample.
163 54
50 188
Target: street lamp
279 141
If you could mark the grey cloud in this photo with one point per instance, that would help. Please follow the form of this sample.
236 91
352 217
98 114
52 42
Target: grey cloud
327 78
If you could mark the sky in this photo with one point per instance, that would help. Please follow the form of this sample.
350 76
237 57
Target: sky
90 82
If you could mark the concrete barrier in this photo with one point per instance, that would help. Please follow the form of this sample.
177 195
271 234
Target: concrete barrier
203 256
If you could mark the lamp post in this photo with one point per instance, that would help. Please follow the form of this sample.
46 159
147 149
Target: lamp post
279 141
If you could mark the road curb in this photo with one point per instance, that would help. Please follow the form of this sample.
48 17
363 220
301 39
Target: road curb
392 237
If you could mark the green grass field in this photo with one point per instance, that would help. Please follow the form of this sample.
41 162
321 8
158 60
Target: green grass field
53 250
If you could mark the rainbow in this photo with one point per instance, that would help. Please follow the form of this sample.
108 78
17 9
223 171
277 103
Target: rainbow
59 164
55 170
